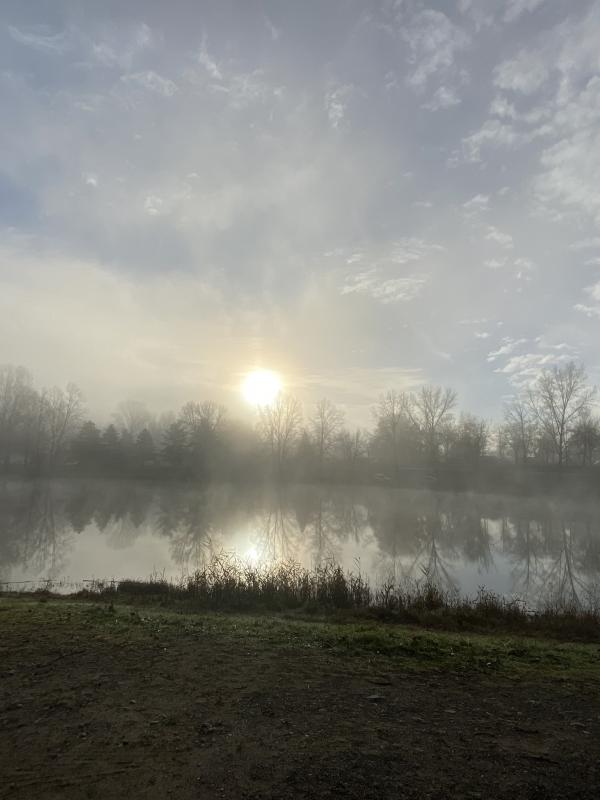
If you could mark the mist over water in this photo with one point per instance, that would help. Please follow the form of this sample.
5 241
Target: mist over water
70 532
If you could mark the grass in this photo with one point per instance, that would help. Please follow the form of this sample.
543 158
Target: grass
501 656
227 584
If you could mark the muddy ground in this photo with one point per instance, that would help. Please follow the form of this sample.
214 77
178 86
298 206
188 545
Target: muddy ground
104 703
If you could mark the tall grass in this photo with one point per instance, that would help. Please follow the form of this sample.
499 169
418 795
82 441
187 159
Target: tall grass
229 584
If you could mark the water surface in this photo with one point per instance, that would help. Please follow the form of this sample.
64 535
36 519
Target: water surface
70 532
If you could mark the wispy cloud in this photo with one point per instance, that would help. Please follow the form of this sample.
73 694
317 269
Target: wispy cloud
41 39
507 347
516 8
499 237
525 73
391 290
336 103
443 97
434 41
153 82
476 205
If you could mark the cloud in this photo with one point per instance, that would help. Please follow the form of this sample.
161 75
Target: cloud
502 108
153 82
564 62
507 347
495 263
391 290
524 370
153 205
594 291
524 267
377 268
525 73
274 32
41 39
499 237
570 171
477 204
493 133
135 332
443 97
119 49
405 250
589 311
209 64
434 42
336 104
266 158
591 242
239 89
516 8
362 385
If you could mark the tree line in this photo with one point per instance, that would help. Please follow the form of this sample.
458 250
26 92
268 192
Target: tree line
47 431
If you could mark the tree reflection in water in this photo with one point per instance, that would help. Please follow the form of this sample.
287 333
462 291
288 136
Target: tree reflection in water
545 550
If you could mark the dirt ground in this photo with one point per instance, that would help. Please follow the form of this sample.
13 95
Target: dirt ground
93 707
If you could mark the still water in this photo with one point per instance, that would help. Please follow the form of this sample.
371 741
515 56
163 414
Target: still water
70 532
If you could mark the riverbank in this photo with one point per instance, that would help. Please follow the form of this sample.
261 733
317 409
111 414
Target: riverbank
229 584
109 700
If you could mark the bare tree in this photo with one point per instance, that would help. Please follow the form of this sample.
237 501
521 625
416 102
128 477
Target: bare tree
352 448
352 445
202 418
279 425
519 430
429 409
558 399
585 438
325 425
203 424
446 437
391 417
15 386
62 411
161 424
132 416
472 438
544 447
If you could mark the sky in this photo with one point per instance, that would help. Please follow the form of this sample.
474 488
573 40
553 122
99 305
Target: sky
361 195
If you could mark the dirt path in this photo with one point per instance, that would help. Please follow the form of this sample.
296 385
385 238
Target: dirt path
92 707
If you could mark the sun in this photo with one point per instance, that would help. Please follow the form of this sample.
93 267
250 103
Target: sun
261 387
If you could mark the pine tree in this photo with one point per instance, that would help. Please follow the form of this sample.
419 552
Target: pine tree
174 450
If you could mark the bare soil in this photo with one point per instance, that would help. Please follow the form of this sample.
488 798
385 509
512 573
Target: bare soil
102 704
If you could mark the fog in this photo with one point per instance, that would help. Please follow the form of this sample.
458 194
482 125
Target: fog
66 534
299 409
361 197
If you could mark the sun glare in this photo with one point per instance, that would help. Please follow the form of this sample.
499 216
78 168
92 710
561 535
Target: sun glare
261 387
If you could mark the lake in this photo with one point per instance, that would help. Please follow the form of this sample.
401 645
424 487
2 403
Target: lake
70 532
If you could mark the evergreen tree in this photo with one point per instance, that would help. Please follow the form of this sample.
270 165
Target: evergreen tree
86 446
111 448
144 448
174 450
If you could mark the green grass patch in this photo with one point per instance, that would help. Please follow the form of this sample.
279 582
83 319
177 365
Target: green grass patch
67 621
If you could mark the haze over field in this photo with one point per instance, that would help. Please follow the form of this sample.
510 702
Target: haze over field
358 195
